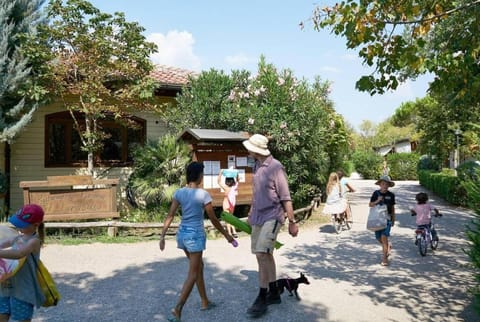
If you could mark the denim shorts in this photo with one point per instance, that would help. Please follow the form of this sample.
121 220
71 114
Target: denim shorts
191 239
17 309
385 231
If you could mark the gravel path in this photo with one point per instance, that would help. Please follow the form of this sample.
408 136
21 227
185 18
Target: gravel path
137 282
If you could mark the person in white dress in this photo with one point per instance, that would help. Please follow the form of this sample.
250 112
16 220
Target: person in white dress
336 203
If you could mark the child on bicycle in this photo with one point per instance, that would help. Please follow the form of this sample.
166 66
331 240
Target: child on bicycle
336 203
423 210
345 188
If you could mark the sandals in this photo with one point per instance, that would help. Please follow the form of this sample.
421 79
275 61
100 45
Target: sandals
174 317
209 306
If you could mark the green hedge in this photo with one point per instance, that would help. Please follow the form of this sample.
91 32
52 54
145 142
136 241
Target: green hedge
368 164
445 185
403 166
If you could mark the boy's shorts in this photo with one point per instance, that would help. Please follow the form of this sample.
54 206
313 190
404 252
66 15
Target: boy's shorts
264 236
17 309
191 239
385 231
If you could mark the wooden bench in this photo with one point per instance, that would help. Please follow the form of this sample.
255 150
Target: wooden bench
73 198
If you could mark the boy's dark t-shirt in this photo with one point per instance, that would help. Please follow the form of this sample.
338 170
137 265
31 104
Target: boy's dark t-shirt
388 199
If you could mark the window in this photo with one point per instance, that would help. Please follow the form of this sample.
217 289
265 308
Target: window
63 144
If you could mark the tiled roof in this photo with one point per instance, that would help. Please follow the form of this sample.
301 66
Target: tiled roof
171 76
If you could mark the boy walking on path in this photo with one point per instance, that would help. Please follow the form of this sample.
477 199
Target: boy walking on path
271 200
383 196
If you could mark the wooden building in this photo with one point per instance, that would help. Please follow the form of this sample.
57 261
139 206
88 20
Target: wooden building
221 149
46 146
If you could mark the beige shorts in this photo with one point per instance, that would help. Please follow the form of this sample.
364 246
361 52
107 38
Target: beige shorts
264 236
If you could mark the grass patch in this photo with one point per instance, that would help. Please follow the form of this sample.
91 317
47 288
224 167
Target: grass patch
80 236
72 241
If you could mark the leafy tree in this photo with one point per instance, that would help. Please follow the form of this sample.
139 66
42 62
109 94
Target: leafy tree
405 114
305 133
436 125
404 39
101 66
365 137
387 133
19 75
159 170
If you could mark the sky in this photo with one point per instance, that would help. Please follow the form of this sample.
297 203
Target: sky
232 35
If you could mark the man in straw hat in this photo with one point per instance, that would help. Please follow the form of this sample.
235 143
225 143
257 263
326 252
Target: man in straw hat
271 200
383 196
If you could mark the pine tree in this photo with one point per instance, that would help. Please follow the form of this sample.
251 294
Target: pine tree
18 22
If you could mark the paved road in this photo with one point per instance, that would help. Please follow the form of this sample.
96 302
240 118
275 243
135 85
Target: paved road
136 282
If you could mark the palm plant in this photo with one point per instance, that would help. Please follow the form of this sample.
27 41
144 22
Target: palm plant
158 171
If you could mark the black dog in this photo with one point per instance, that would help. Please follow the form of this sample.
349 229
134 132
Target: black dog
291 284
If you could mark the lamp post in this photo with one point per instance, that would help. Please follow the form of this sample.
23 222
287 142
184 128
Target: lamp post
456 160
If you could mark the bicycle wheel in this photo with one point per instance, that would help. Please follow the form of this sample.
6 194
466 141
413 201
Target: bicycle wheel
434 243
336 223
348 222
422 246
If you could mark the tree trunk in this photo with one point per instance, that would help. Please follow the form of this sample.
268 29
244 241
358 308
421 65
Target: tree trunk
90 141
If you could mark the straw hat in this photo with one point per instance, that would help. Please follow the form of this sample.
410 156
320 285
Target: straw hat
258 144
387 180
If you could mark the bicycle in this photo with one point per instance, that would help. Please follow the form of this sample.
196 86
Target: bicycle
424 237
339 221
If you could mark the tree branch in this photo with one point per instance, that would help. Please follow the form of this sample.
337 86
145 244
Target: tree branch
409 22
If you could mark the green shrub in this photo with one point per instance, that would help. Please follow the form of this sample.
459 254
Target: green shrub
368 164
403 166
444 184
151 214
426 162
472 186
468 170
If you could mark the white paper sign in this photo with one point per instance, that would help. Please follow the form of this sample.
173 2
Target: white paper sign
242 161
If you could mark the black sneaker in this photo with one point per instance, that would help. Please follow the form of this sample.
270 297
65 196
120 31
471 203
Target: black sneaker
258 308
273 298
